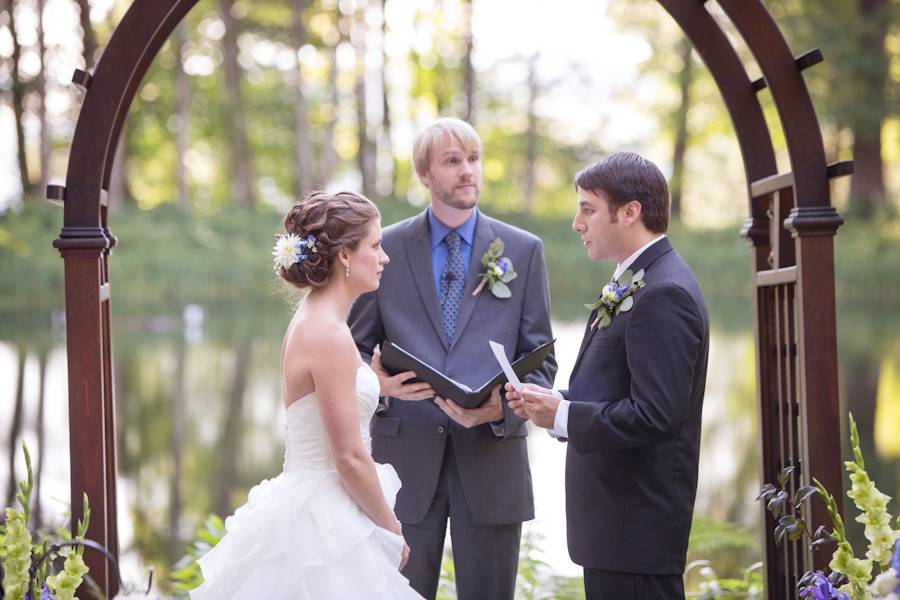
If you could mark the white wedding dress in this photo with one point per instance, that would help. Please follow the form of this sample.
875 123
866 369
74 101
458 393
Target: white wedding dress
300 535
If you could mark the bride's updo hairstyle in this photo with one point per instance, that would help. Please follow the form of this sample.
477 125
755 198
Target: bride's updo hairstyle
336 221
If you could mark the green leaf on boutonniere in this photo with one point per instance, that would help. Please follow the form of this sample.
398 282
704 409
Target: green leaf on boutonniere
638 276
605 320
626 278
500 290
626 304
594 306
498 271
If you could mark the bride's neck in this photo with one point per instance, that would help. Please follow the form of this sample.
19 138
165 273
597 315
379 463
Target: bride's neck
336 298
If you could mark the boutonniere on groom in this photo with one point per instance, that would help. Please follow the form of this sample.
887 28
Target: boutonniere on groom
616 297
498 271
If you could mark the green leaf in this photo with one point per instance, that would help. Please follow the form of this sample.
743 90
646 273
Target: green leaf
509 276
501 290
605 320
626 304
594 306
626 278
638 276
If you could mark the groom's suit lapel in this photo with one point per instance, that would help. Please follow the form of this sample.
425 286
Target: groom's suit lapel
418 253
484 235
647 258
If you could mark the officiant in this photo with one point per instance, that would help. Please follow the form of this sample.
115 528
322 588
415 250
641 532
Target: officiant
457 279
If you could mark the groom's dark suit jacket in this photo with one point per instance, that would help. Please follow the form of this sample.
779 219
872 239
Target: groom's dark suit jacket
412 436
634 425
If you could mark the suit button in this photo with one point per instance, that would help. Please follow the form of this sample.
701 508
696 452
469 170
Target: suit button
441 429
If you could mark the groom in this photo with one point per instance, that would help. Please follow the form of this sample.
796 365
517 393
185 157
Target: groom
632 410
468 465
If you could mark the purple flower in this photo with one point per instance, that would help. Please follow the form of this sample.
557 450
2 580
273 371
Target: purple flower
45 594
895 559
821 589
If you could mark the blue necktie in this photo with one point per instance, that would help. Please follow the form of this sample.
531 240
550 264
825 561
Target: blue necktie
453 283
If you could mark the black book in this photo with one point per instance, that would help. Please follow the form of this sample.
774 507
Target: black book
396 360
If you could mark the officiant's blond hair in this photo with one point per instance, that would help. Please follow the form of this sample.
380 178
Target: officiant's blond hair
433 137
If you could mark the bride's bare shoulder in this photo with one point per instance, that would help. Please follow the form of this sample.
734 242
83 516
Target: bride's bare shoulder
319 337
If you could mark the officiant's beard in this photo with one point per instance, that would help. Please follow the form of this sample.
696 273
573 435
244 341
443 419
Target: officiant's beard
458 198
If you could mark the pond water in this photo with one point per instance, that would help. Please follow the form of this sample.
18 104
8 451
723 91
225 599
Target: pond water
200 421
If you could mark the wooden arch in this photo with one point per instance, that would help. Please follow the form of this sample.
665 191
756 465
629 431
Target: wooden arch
790 229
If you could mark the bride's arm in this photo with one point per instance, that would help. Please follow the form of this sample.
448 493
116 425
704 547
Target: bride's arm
334 373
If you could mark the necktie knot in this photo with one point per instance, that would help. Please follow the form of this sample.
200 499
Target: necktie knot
452 239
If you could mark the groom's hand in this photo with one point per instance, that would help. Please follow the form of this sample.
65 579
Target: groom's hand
491 410
515 400
393 386
538 404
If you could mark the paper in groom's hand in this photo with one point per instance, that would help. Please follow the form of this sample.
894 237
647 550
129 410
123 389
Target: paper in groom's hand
500 354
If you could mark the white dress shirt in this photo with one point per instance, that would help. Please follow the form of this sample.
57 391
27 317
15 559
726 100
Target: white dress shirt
561 419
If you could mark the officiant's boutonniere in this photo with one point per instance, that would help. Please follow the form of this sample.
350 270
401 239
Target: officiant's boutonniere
616 297
498 271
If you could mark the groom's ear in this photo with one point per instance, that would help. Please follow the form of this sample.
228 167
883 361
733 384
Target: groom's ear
631 212
426 181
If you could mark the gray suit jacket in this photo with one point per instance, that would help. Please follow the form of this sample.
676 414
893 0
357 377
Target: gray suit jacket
411 436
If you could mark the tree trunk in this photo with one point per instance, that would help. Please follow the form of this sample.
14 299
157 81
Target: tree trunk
88 39
366 153
240 169
16 427
531 138
37 508
118 189
178 437
230 445
681 127
867 191
387 140
183 111
42 98
468 68
329 157
302 140
18 99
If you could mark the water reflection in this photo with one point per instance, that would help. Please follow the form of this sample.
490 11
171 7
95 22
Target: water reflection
200 421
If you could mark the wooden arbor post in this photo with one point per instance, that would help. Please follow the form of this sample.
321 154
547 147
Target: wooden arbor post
791 229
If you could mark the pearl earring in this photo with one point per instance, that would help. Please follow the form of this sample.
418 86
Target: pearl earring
347 270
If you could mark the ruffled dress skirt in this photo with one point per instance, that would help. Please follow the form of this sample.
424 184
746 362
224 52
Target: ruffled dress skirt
300 536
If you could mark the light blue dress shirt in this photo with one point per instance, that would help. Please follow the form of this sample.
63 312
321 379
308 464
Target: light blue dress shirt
437 231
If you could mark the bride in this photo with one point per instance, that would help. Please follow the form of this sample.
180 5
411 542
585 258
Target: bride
325 527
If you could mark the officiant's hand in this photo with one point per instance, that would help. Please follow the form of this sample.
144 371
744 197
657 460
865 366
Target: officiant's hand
491 410
514 398
393 386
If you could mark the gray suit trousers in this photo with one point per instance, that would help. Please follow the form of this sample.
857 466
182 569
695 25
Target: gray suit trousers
487 556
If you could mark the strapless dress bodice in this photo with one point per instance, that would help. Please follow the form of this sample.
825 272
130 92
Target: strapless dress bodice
306 442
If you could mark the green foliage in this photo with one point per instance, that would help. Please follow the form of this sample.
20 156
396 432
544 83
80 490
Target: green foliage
750 585
708 537
18 553
186 574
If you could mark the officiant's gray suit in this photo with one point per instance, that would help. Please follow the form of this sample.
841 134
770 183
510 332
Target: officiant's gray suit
479 477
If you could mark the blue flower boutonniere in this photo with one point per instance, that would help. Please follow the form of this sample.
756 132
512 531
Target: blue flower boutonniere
498 271
616 298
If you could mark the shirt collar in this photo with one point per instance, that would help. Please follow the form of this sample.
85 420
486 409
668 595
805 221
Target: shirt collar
437 231
621 268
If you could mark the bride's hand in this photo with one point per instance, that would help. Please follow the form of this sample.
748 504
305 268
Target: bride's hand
404 555
393 386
